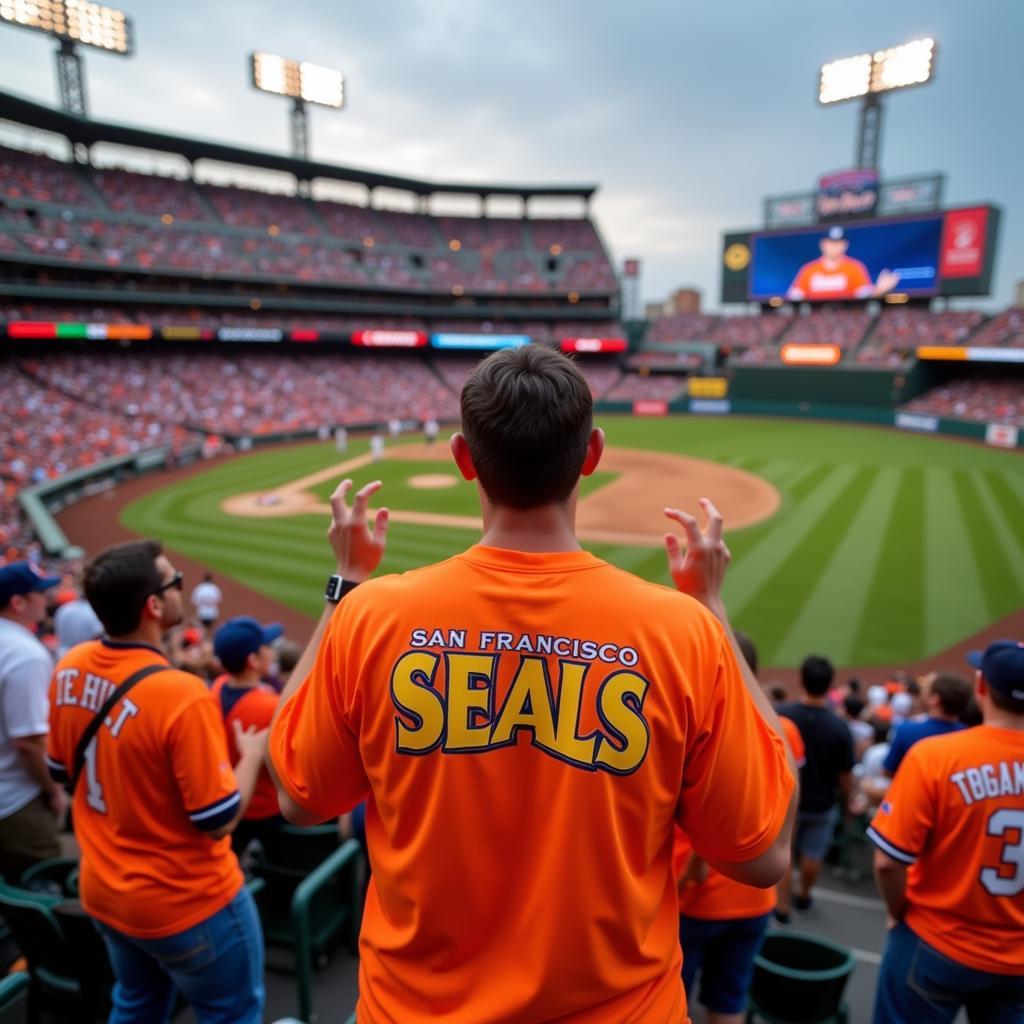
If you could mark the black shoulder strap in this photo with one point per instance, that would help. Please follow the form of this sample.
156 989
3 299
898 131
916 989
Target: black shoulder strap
100 717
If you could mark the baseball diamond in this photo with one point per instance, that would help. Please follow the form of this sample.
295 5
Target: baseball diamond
922 538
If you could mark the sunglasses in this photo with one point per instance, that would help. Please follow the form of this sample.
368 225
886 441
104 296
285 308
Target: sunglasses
174 582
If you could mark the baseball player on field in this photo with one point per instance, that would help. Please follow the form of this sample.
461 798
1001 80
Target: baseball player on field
527 725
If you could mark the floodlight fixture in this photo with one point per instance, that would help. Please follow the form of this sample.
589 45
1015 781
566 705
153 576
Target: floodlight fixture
303 83
882 71
72 23
867 76
78 21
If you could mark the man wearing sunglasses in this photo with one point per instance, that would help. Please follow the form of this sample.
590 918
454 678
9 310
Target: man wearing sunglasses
143 749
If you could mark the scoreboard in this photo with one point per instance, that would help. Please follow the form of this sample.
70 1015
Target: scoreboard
947 252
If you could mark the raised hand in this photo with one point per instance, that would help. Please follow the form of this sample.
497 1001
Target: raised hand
357 548
699 570
250 741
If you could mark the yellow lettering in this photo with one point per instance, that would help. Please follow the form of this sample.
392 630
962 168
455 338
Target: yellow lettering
468 700
413 694
527 706
620 703
568 744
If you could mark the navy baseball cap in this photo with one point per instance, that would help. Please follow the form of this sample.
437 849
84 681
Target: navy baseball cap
1002 665
836 233
23 578
240 637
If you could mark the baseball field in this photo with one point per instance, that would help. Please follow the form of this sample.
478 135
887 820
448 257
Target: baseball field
872 546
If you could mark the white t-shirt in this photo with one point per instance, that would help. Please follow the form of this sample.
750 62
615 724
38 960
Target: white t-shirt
25 668
207 598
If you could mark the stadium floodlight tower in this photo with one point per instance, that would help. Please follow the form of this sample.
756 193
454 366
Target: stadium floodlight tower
304 83
868 76
72 22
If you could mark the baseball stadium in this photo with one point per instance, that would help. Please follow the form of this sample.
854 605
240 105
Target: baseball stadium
201 354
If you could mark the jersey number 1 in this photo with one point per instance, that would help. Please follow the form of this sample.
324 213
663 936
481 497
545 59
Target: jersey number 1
999 824
93 790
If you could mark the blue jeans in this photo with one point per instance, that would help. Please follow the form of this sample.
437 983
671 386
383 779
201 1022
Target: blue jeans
217 965
723 952
813 833
918 985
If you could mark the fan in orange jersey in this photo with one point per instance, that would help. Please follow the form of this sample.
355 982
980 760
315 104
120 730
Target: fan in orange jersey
154 800
838 276
950 862
722 922
528 724
242 646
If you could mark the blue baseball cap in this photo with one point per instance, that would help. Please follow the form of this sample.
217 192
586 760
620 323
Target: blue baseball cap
240 637
23 578
1002 665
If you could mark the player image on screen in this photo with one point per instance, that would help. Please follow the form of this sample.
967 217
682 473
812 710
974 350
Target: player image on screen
838 276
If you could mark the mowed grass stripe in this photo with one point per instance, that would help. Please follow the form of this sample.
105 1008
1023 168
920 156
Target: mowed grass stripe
998 586
1009 544
954 600
892 616
1011 504
830 612
754 565
774 607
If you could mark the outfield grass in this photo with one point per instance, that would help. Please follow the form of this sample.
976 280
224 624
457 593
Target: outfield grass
887 546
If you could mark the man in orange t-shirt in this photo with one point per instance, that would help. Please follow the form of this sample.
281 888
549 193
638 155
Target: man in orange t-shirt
154 804
528 724
242 646
722 922
834 275
950 862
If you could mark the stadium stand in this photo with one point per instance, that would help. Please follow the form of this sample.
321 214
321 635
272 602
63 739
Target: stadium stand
1005 329
980 399
635 387
845 328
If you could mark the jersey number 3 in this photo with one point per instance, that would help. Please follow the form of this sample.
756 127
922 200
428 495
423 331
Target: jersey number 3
999 824
93 789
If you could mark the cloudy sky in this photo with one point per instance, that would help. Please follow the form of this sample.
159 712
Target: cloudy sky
686 114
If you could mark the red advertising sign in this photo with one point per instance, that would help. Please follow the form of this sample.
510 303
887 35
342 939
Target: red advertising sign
389 339
593 344
962 253
304 335
650 407
631 268
31 329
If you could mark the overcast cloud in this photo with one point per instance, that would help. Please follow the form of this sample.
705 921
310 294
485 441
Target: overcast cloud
686 114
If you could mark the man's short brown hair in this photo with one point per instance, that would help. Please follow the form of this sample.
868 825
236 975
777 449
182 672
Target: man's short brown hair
527 414
954 693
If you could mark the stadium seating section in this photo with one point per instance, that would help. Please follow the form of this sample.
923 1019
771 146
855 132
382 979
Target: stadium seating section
140 222
988 400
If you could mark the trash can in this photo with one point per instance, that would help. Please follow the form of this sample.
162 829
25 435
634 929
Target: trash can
799 979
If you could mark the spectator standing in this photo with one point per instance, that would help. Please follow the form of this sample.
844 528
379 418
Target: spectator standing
950 862
825 779
340 440
948 698
465 753
75 622
155 804
430 430
722 922
243 647
206 599
31 804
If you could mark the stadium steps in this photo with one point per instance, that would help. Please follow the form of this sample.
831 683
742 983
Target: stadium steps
867 338
975 331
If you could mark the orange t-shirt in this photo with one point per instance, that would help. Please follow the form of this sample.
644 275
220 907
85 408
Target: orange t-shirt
157 777
527 729
841 281
718 897
250 706
955 813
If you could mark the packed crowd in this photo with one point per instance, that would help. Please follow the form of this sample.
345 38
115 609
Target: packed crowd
639 387
843 327
247 232
927 770
1007 328
980 399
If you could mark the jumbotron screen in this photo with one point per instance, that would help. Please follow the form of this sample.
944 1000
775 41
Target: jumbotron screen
828 264
946 253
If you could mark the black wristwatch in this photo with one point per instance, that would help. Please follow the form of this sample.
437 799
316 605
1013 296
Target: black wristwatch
338 587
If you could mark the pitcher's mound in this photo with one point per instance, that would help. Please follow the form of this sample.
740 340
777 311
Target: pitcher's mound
432 481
